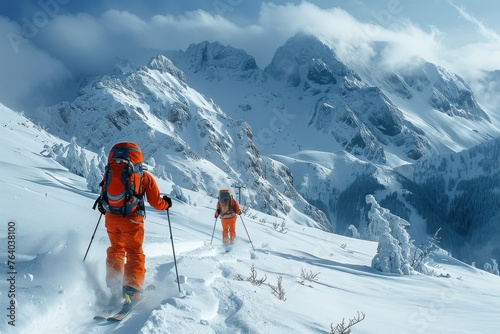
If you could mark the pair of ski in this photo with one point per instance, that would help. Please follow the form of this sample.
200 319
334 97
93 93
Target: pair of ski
127 308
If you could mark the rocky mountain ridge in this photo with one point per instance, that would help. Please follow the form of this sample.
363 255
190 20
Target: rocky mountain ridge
185 134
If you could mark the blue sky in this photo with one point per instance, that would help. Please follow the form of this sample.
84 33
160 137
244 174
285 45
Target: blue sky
48 41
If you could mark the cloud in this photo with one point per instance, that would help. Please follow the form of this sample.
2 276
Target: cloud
80 41
334 25
171 32
27 71
483 30
356 42
64 45
123 22
483 54
387 35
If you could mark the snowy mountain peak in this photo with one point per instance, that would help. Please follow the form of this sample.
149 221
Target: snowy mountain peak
320 73
165 65
303 50
384 116
454 97
217 61
440 88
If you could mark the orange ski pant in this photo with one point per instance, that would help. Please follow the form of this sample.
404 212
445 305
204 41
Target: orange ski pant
228 230
125 261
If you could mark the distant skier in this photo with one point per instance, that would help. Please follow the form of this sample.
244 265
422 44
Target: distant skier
124 185
227 208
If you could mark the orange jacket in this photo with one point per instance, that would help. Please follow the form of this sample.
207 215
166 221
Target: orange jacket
228 215
153 196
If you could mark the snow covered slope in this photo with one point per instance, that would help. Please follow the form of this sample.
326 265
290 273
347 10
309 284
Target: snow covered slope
186 135
325 278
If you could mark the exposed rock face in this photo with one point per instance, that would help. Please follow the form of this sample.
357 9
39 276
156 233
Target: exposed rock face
189 137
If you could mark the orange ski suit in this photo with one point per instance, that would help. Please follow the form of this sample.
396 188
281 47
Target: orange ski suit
126 235
228 221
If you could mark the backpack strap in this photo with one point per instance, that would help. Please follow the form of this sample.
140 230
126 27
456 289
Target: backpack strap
227 214
127 171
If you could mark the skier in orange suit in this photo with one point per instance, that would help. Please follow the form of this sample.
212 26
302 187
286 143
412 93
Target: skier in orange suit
227 208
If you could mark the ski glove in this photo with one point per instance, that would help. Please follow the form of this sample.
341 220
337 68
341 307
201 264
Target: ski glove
168 200
98 204
101 208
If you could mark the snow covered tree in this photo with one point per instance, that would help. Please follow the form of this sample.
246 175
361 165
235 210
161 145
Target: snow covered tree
83 164
151 162
102 160
94 176
72 155
398 231
56 152
59 149
48 151
394 245
178 194
389 258
377 224
495 267
162 173
492 268
421 254
354 231
76 160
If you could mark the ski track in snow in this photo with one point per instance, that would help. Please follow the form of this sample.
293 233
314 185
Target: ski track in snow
216 297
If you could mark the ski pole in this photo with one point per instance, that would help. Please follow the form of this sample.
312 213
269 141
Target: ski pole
92 238
247 232
213 231
173 251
